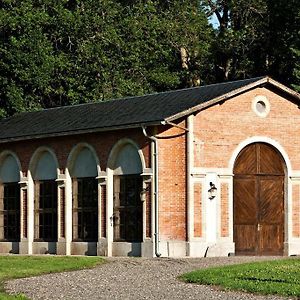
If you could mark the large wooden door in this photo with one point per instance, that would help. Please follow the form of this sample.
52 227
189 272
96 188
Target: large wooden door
259 201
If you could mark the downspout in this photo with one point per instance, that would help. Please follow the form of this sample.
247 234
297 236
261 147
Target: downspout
156 215
190 196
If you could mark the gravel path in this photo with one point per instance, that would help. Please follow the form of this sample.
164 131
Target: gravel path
131 278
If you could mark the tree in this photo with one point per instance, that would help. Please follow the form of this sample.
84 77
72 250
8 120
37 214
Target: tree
283 34
253 38
66 52
296 84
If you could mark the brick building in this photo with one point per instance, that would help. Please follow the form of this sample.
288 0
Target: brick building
206 171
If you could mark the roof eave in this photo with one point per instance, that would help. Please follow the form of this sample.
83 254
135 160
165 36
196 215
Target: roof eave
284 88
78 132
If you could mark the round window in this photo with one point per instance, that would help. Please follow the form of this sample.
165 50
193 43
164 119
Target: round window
261 106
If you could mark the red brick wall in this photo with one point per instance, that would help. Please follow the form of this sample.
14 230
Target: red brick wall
223 127
172 184
224 210
296 211
198 210
62 146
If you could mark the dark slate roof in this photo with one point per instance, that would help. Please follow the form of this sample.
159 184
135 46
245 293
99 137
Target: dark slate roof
121 113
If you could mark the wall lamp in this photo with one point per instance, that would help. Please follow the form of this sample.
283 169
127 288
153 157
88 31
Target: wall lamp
212 192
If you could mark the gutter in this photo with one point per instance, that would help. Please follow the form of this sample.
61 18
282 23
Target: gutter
73 132
156 213
189 181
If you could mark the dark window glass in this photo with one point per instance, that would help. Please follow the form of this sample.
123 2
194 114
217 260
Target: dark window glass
47 211
128 212
87 210
11 212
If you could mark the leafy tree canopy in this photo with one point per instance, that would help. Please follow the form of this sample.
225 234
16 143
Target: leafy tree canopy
254 38
67 52
63 52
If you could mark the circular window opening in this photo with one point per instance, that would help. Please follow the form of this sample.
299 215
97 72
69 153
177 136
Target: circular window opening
261 106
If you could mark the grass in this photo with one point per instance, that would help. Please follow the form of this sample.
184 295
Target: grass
25 266
281 277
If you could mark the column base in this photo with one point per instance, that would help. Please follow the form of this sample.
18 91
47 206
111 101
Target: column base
10 247
102 247
84 248
292 248
61 247
24 246
147 249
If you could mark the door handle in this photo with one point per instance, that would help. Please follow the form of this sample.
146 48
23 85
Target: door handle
112 219
258 227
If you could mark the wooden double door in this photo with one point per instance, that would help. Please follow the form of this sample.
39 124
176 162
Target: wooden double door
258 204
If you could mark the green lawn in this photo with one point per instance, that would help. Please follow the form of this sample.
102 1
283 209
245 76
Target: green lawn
24 266
280 277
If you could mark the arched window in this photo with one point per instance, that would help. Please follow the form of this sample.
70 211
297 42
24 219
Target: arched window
128 212
9 200
85 196
45 202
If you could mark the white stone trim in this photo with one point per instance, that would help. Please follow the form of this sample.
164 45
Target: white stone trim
109 210
201 172
212 208
30 211
68 211
263 99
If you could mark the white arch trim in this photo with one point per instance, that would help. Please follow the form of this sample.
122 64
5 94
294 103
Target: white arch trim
6 153
73 155
115 150
36 155
261 139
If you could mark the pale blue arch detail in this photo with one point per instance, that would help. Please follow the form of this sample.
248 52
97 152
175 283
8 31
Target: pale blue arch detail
85 164
46 167
10 170
128 161
43 164
126 158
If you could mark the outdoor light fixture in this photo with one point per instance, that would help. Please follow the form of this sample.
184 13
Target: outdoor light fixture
212 192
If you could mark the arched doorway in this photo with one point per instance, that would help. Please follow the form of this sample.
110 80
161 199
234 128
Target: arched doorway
85 197
258 201
128 208
44 171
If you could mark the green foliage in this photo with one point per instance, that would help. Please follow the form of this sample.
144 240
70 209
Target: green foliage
55 53
67 52
254 38
296 84
25 266
280 277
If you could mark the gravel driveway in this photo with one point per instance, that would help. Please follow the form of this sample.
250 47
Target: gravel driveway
131 278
